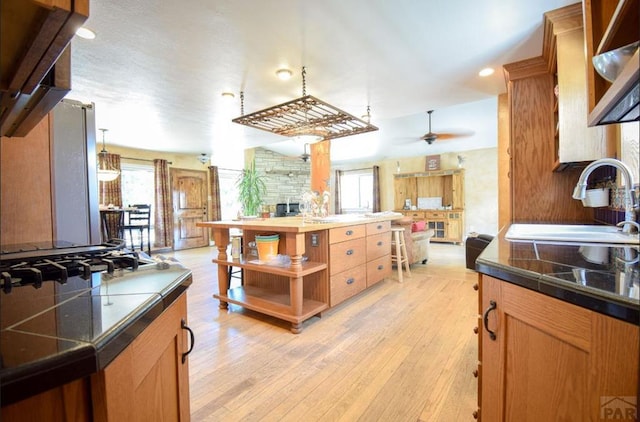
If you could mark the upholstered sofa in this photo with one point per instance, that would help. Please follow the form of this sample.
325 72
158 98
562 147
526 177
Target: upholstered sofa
416 237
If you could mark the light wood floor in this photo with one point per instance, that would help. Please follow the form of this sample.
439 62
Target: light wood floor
397 352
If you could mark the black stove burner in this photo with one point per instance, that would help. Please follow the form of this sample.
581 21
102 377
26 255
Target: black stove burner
34 267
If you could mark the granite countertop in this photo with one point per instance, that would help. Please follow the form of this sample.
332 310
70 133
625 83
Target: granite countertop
59 332
599 277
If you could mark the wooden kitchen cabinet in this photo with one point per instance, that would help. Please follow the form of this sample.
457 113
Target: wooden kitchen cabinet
34 36
549 359
530 188
378 251
576 143
448 225
149 380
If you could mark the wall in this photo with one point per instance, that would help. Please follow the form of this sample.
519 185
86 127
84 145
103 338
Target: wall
285 177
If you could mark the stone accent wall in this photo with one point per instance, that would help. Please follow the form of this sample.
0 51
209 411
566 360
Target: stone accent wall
285 177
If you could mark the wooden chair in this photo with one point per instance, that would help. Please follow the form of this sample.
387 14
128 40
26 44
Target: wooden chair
139 220
112 222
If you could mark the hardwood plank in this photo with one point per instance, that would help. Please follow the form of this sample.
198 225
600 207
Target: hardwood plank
402 352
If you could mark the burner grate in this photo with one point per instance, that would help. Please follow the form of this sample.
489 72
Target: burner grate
36 270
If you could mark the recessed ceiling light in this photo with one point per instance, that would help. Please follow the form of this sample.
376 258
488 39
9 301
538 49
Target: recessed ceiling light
486 71
284 74
228 95
85 33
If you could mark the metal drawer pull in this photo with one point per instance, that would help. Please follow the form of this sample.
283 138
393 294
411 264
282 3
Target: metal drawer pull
379 226
350 280
191 336
380 243
381 267
350 252
485 317
349 232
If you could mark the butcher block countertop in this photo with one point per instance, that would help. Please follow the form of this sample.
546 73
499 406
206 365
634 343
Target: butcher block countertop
299 225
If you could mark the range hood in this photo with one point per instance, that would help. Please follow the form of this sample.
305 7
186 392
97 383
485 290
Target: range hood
621 102
21 114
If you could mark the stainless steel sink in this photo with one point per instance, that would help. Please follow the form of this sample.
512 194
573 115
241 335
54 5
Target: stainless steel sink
570 234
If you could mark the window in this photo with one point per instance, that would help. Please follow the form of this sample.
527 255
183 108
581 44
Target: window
229 204
356 191
138 187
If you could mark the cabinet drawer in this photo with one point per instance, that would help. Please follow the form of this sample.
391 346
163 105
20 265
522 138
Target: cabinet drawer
378 245
378 269
345 255
379 227
340 234
348 283
436 214
417 215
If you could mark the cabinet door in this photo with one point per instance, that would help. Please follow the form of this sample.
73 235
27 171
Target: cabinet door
148 381
439 229
454 230
550 360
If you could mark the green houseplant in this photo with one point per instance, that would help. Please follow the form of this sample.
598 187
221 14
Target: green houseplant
251 188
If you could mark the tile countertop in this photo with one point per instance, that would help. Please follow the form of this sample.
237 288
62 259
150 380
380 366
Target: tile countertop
58 332
602 278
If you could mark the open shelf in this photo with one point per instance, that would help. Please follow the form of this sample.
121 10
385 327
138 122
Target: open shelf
308 267
271 303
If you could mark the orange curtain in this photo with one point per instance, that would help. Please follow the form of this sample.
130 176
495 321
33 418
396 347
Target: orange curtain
321 166
163 222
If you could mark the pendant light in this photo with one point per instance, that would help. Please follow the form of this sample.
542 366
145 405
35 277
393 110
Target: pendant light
105 172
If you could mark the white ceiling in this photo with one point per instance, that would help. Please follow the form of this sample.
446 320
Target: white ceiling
157 68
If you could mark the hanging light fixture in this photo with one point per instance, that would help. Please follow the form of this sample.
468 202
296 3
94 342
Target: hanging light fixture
305 155
305 116
105 172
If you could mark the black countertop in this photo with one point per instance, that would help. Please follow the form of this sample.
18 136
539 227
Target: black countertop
61 332
599 277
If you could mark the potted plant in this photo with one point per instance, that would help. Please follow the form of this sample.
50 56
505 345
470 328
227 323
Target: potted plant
251 188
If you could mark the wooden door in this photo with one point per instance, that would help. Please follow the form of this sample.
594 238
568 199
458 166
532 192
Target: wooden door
189 191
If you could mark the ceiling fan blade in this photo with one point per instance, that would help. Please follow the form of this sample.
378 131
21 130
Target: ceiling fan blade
453 135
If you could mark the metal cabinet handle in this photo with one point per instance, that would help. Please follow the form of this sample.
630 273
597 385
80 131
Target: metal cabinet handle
350 252
349 232
485 317
380 243
192 338
350 280
380 267
379 227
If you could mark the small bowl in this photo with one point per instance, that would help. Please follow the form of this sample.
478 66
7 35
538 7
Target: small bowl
610 64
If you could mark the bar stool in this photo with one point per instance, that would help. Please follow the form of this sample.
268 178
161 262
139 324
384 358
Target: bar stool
399 256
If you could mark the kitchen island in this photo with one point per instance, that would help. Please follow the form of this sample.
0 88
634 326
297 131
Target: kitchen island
322 262
558 330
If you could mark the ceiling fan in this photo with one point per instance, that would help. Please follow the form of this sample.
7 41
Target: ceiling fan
430 136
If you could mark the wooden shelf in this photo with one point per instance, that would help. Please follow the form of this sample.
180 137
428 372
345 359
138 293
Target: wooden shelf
308 267
271 303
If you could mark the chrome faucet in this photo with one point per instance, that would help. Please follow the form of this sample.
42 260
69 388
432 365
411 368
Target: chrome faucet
630 204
